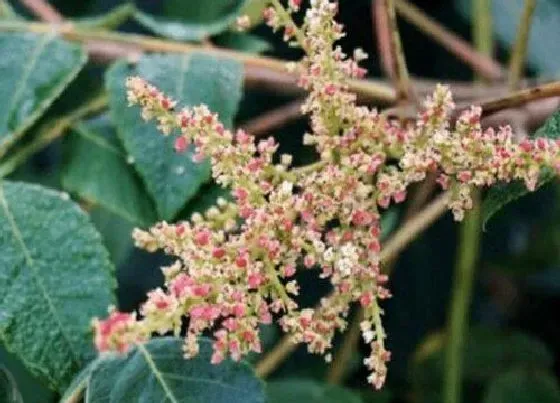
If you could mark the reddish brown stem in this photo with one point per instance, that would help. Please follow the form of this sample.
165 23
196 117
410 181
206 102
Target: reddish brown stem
43 11
522 97
383 35
485 66
274 119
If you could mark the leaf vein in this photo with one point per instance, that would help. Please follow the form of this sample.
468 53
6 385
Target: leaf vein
157 373
26 72
31 264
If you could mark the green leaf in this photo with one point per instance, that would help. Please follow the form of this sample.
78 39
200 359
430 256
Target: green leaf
172 179
98 171
110 20
206 198
157 372
7 12
308 391
243 42
55 275
30 388
389 221
487 352
520 385
501 195
116 233
79 384
254 10
193 20
8 387
377 396
197 20
35 70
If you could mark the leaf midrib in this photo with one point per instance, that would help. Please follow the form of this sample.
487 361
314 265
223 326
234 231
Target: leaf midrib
26 72
31 264
157 373
100 142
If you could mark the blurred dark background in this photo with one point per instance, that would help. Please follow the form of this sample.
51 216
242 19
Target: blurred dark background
518 276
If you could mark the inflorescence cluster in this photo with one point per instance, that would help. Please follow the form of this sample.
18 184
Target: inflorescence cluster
236 264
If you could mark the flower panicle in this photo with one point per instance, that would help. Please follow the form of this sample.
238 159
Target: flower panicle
236 264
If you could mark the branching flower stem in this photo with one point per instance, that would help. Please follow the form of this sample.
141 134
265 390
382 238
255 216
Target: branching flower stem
395 245
52 130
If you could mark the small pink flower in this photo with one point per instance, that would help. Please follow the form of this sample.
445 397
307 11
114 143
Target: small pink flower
289 270
241 262
181 144
180 285
366 299
400 196
239 310
255 280
202 238
218 253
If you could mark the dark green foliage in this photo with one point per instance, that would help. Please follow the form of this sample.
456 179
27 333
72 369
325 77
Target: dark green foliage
49 247
36 69
172 179
157 372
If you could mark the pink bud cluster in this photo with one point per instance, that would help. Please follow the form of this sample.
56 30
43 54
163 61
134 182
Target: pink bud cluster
466 155
236 264
118 331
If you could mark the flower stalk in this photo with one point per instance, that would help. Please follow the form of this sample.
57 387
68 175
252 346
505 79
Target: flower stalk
236 265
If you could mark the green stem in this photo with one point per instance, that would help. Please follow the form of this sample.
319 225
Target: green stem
50 131
519 53
482 27
6 11
287 18
469 243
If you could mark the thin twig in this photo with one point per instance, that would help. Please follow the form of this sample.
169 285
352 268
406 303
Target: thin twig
485 66
531 98
274 119
383 35
261 72
51 131
399 62
517 61
366 89
520 98
43 10
392 248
